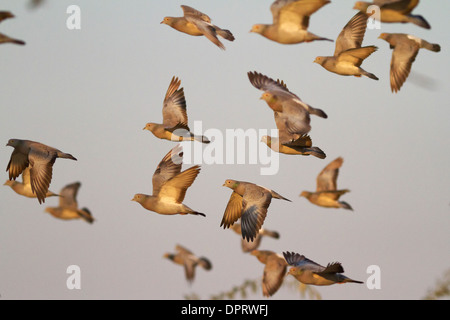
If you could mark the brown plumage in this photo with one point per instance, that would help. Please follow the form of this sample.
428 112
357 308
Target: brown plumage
406 47
248 202
175 120
249 246
189 261
326 194
349 53
274 270
196 23
169 186
290 21
68 205
39 158
394 11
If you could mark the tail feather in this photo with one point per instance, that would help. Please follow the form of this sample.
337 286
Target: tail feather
317 112
226 34
420 21
316 152
19 42
431 46
201 139
86 215
353 281
272 234
198 213
369 75
205 263
345 205
278 196
66 156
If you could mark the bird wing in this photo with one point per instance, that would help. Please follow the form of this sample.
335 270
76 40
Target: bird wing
274 273
189 269
206 28
169 167
286 13
41 165
292 122
17 163
68 195
298 260
266 84
357 55
182 250
295 12
255 202
174 106
302 141
401 6
352 34
176 187
233 211
327 178
403 56
331 268
191 12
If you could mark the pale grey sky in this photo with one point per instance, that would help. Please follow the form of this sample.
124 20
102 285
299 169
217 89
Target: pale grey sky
89 92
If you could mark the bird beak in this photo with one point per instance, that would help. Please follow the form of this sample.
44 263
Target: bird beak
223 185
143 128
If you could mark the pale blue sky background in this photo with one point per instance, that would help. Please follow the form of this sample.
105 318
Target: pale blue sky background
90 92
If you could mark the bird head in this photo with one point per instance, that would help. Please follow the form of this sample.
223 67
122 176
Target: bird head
270 98
294 271
305 194
167 20
138 197
319 60
258 28
266 139
13 142
383 36
150 126
232 184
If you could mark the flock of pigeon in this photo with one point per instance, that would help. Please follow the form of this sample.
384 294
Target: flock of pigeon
248 202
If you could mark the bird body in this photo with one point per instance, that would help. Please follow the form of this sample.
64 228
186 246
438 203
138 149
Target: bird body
293 149
170 186
274 270
406 48
290 21
186 258
248 246
196 23
394 11
24 188
291 114
308 272
349 53
39 158
175 120
327 195
68 205
249 202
